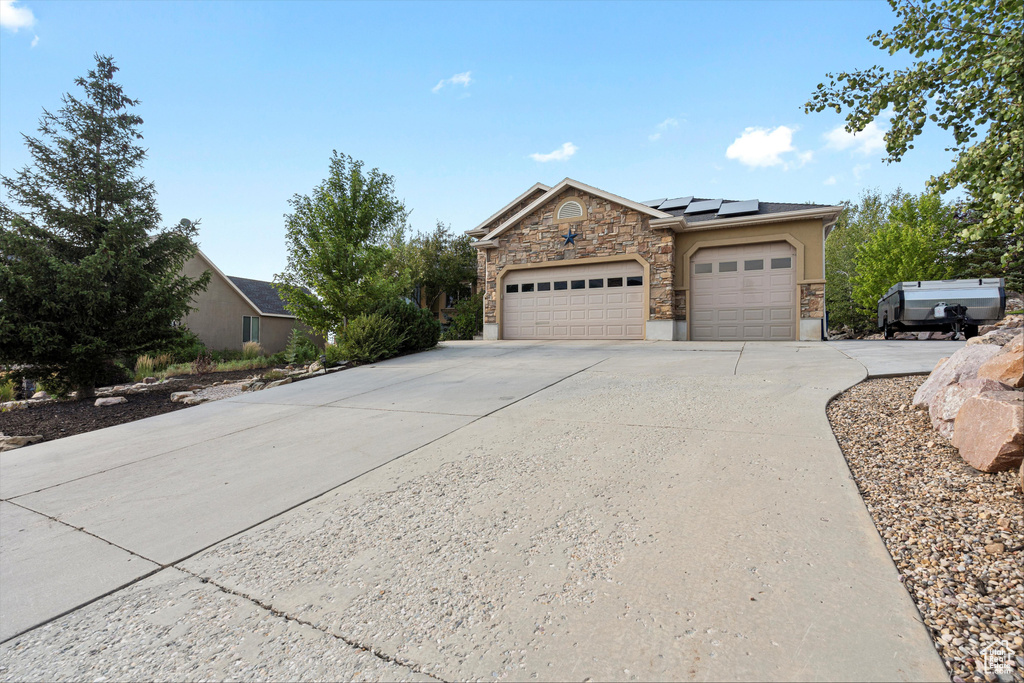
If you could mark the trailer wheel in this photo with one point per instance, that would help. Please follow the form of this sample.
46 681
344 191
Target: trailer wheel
970 331
887 332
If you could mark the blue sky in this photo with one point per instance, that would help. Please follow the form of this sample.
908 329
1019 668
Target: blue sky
465 104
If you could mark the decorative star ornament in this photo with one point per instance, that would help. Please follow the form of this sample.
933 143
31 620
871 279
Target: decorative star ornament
570 237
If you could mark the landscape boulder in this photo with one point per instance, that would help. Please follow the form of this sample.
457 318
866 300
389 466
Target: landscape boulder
947 403
149 380
110 401
9 443
40 395
277 383
998 336
988 430
1007 366
962 365
315 367
179 396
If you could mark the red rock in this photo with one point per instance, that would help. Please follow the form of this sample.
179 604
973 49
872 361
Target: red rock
947 403
989 430
1008 365
961 366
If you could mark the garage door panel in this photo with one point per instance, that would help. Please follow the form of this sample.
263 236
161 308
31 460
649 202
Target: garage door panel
743 297
597 311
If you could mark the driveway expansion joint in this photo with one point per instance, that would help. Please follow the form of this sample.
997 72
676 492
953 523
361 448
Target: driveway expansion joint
281 614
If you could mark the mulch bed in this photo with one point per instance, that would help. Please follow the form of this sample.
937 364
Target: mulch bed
955 534
67 417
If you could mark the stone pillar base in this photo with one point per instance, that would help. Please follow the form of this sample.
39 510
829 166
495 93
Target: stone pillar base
680 330
490 331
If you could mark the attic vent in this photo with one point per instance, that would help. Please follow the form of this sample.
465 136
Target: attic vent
570 210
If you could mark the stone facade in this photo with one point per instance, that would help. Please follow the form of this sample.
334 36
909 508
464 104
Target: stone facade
481 257
679 307
812 301
607 229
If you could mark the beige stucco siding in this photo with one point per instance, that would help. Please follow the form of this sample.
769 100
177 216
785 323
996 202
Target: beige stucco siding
219 311
218 318
807 236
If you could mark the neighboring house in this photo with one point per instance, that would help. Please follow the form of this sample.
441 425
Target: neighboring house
442 305
575 262
234 310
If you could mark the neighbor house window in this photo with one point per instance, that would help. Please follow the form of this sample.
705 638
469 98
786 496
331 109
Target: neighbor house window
250 329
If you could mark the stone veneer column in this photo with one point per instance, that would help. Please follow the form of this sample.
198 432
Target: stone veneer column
812 310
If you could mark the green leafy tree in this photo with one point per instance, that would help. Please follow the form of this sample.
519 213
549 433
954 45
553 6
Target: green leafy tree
968 78
86 275
444 262
910 246
989 256
855 226
344 247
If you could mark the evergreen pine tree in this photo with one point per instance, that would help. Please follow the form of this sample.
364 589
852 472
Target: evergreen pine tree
86 275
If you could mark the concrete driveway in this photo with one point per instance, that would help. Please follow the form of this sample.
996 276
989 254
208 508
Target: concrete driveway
555 510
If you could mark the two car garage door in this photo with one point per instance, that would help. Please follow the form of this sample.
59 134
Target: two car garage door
599 301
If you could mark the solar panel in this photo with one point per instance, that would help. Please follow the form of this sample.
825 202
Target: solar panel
653 203
739 208
704 207
677 203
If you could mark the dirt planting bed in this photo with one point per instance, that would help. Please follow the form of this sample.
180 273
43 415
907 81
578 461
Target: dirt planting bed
956 534
58 419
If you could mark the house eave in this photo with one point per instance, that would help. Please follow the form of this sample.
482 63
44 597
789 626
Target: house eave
829 214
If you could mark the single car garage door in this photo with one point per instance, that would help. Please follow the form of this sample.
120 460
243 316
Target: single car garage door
599 301
745 293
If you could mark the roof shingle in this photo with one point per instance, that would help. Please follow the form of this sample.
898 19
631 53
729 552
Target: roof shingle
263 294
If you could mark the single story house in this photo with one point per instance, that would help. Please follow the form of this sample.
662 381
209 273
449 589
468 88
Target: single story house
234 310
575 262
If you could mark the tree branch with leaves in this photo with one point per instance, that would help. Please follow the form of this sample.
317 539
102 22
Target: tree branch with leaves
968 79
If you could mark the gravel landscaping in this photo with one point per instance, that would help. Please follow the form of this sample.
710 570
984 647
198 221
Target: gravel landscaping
956 534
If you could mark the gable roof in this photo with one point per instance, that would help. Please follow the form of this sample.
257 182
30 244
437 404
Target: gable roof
569 182
480 228
262 294
234 285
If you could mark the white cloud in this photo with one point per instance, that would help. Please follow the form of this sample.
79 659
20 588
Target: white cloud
860 169
12 18
831 180
462 79
764 147
35 41
662 127
560 154
869 141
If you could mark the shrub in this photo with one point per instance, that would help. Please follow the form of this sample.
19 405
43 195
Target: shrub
7 391
276 359
334 354
370 338
162 362
418 327
145 366
251 349
184 346
468 319
203 364
274 375
300 348
225 355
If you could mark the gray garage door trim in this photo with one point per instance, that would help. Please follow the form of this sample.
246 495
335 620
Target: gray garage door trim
613 305
743 292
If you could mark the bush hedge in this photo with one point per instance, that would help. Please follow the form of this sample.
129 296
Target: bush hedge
417 326
370 338
468 319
